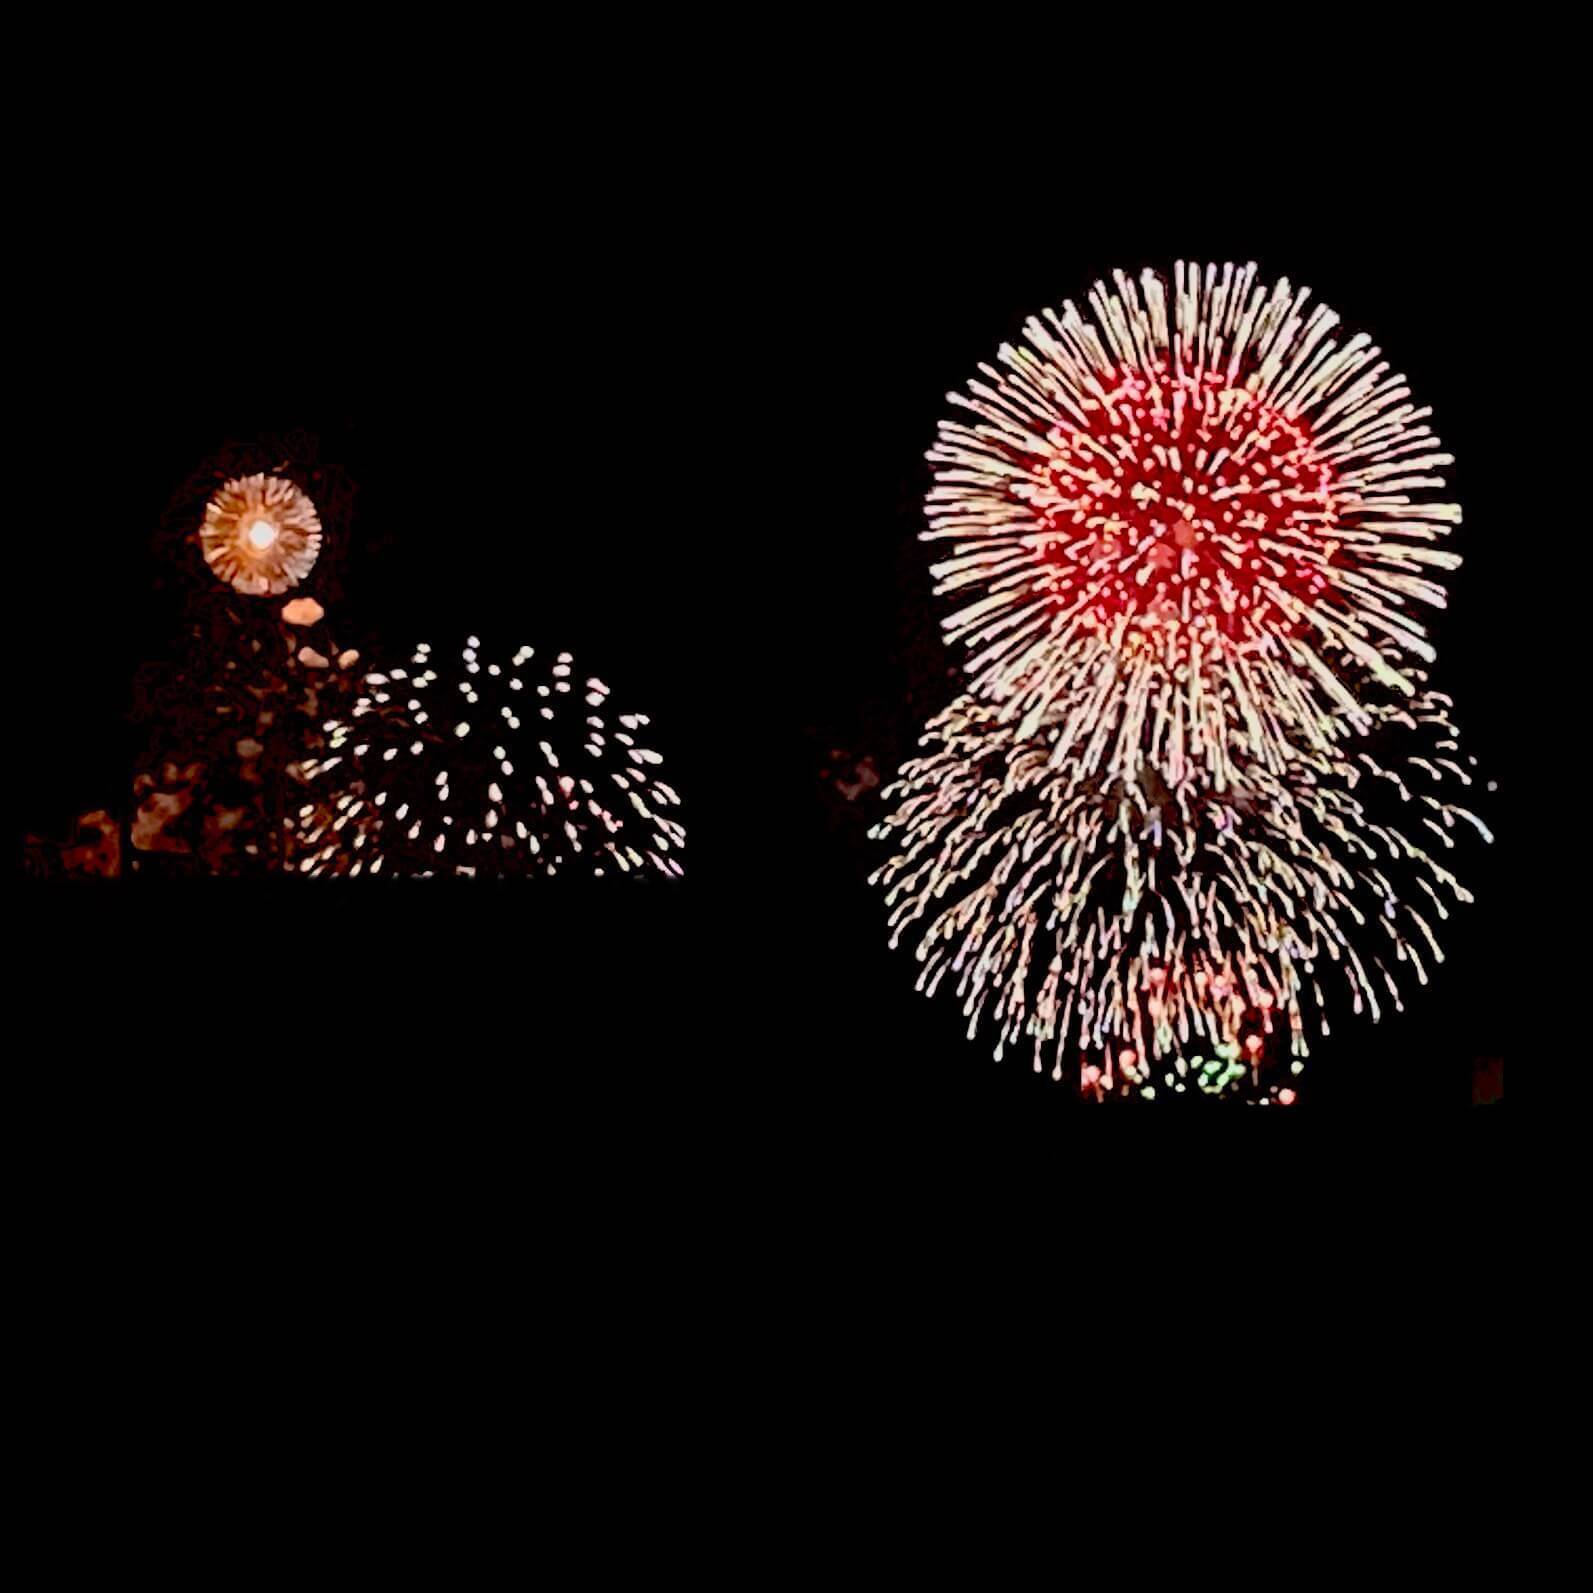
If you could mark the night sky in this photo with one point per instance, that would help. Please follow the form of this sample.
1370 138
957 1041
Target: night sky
677 426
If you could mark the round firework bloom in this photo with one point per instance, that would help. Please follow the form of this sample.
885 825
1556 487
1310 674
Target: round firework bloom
501 769
1157 937
1192 523
261 535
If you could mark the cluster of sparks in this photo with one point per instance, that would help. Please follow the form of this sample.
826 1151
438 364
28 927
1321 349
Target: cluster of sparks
1193 538
261 535
1160 929
480 775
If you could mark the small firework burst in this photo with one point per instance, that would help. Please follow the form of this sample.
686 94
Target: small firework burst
1194 521
1148 936
503 769
261 535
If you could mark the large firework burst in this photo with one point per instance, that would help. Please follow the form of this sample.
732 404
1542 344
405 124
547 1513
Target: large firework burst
506 769
1196 536
1189 524
261 535
1152 928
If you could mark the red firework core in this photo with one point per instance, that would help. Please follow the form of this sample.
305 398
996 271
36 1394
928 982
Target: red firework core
1183 501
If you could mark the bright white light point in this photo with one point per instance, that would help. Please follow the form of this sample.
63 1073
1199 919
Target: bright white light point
507 767
495 791
515 685
437 845
262 534
519 829
498 752
472 641
390 754
416 748
492 669
461 730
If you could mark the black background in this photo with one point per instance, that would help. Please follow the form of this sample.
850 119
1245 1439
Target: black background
660 395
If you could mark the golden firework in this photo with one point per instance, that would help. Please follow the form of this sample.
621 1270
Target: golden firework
261 535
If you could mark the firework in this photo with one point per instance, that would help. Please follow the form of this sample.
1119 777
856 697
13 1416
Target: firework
500 769
1193 541
1161 937
261 535
1191 525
